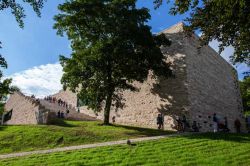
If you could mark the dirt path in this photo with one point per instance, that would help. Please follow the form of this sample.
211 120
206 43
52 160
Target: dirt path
86 146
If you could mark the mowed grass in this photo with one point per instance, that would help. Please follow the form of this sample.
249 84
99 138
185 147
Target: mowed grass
65 133
191 150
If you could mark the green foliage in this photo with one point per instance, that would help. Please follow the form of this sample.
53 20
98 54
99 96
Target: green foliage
245 93
18 11
34 137
1 108
193 150
5 87
4 84
112 46
226 21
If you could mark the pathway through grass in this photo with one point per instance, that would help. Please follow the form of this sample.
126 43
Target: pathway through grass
65 133
202 149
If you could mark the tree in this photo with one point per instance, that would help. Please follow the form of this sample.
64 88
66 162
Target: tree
18 11
227 21
245 93
5 84
112 47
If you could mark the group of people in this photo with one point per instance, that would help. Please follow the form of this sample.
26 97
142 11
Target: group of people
62 103
59 101
61 114
50 99
183 125
223 126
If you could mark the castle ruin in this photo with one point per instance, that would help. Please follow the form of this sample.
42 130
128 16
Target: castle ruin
204 84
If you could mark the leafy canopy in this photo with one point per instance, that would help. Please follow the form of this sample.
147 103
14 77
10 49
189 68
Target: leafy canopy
112 47
245 93
18 11
5 84
227 21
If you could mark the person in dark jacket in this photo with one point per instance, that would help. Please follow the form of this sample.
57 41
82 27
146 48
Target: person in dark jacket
159 121
215 123
184 123
226 129
62 114
195 127
59 114
237 125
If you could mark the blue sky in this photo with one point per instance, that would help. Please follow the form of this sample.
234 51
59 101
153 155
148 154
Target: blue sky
32 53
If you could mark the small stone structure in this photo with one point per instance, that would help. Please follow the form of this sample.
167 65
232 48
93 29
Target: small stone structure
25 110
204 84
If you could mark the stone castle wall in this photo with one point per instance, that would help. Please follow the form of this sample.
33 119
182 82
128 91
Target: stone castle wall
24 110
204 84
212 87
166 96
68 96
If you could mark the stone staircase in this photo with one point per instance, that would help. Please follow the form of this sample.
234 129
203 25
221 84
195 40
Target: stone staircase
72 115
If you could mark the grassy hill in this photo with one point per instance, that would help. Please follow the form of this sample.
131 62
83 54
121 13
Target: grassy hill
65 133
199 149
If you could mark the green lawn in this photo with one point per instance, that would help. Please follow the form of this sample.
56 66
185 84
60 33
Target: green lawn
65 133
202 149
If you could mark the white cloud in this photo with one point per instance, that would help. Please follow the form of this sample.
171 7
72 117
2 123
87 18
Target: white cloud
40 80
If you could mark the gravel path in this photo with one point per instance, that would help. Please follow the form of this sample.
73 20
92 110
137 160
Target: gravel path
86 146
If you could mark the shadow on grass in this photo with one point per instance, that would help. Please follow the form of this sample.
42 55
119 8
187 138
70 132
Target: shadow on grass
144 131
61 122
2 128
233 137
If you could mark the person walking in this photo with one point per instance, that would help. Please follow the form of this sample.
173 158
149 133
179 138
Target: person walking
58 114
226 129
195 127
215 123
179 124
62 114
184 123
159 121
237 125
113 119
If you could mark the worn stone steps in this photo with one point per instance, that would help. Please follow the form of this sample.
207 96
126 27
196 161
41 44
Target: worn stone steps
72 115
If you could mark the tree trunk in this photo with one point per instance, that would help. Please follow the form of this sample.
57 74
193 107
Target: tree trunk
109 94
107 108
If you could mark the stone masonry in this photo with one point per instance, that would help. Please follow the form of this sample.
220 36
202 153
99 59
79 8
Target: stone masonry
25 110
203 84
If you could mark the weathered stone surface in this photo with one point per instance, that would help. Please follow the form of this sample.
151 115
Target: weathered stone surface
212 87
24 109
27 110
68 96
204 84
